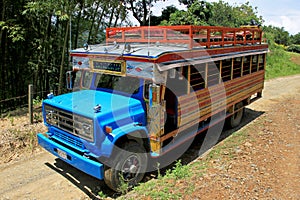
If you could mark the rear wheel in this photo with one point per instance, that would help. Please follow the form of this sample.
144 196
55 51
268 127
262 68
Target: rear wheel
129 167
237 117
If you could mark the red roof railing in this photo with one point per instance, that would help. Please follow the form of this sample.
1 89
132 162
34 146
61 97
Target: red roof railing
193 36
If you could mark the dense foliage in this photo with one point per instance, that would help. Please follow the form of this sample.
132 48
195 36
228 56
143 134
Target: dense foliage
295 39
197 13
35 35
279 35
294 48
35 40
214 14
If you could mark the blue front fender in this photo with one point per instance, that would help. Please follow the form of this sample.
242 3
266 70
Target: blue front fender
133 130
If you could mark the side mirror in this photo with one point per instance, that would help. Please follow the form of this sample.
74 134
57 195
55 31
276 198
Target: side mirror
69 80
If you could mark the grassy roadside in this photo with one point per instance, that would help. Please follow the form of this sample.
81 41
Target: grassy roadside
281 63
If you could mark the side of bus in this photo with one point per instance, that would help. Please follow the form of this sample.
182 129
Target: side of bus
195 93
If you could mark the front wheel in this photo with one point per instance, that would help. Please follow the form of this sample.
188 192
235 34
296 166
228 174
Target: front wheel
129 167
237 116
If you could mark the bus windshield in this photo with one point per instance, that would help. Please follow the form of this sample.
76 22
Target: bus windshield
129 85
97 81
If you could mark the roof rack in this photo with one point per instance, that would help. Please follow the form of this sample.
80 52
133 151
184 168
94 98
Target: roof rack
193 36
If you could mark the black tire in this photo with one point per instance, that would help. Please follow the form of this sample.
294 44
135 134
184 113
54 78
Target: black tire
236 118
129 166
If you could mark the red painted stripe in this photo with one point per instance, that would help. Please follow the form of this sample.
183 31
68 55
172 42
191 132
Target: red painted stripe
206 52
216 98
219 88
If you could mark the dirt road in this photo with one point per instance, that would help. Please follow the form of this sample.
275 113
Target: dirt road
267 168
43 177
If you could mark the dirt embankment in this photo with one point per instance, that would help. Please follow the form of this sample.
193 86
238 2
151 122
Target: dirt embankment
265 166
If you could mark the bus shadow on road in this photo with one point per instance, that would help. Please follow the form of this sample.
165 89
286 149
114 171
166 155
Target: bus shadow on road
87 184
198 148
204 142
92 186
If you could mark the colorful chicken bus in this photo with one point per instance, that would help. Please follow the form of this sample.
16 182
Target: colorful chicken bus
148 90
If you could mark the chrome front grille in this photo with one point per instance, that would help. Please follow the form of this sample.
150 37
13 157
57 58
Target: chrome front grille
70 140
69 122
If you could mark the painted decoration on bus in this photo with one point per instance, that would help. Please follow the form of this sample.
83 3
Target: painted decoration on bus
116 67
80 63
140 69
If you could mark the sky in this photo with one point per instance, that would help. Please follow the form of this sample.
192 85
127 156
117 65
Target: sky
278 13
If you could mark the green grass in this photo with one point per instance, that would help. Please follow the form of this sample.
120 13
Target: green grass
281 63
166 187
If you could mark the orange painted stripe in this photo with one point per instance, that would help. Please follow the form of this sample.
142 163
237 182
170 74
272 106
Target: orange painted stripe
219 87
214 96
187 115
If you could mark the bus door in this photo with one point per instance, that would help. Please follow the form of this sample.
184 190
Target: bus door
156 116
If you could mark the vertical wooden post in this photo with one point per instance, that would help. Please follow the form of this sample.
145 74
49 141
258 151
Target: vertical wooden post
208 38
206 75
251 57
191 37
220 73
242 71
232 68
30 102
189 80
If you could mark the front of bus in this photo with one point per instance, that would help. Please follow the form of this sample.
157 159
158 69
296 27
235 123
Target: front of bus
107 102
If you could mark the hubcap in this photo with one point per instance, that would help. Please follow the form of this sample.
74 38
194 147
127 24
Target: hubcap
130 167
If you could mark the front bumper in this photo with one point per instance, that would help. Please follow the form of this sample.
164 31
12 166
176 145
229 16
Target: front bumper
78 161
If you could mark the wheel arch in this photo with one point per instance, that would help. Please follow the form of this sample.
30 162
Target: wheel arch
139 137
138 134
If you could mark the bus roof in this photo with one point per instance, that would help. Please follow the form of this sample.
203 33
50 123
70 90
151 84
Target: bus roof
169 47
153 42
133 49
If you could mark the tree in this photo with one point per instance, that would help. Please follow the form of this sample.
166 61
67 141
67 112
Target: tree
178 18
197 14
294 48
140 9
60 14
201 10
295 39
188 3
12 35
35 36
166 13
224 14
279 35
165 16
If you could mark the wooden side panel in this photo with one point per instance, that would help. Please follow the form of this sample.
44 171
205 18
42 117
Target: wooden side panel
199 105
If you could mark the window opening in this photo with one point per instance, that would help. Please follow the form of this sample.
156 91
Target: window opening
246 65
237 67
226 70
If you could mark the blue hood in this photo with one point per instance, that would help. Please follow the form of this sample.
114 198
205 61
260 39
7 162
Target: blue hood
83 103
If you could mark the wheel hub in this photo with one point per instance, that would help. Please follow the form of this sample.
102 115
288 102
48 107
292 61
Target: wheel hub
130 167
133 169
